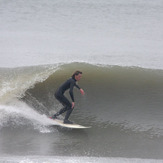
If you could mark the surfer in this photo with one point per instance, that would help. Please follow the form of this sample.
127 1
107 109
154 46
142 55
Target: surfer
59 95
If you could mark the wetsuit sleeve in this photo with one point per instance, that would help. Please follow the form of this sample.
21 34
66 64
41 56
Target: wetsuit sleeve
72 84
77 86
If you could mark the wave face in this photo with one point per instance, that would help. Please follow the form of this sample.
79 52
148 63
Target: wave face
129 96
121 103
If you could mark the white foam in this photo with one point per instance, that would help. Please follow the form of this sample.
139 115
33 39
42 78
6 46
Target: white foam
21 110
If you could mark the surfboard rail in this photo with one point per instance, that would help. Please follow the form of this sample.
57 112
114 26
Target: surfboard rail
60 123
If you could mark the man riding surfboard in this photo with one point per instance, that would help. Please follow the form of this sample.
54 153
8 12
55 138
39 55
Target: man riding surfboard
59 95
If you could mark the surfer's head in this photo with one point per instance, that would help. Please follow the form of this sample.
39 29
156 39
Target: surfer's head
77 75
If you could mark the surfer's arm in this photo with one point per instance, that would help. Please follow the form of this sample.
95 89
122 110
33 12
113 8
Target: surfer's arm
71 91
81 90
77 86
72 84
72 95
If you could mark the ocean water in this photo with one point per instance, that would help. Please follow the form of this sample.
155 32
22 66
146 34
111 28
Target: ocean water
118 47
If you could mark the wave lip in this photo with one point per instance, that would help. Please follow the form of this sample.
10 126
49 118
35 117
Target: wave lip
16 81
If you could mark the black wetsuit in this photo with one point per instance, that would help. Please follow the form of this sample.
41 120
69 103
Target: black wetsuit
59 95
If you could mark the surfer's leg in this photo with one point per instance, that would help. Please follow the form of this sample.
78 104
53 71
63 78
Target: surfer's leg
59 113
68 108
66 103
67 116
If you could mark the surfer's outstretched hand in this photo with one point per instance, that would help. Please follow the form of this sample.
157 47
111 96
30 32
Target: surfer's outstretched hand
82 91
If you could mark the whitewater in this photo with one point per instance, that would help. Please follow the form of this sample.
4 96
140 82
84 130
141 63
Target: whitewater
118 47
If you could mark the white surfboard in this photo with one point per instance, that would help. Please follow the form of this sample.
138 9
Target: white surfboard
60 123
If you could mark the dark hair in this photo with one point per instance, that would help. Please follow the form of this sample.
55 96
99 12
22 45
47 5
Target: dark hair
76 73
